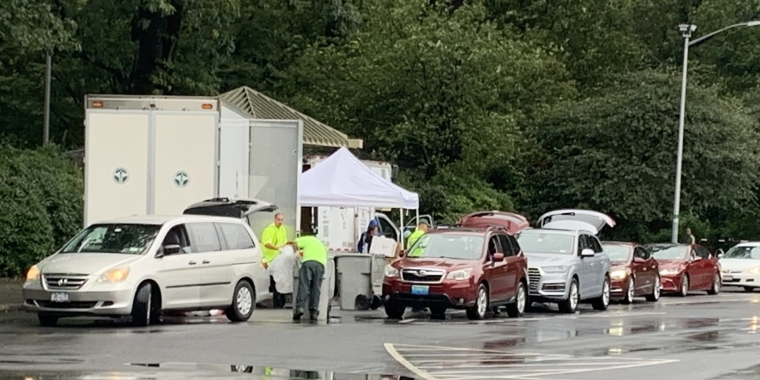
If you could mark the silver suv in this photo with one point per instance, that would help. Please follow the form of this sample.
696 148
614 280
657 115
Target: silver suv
566 261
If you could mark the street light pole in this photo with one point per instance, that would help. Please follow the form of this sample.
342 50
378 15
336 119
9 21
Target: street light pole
46 123
686 30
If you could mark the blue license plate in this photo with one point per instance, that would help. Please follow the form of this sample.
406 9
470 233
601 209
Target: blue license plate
420 290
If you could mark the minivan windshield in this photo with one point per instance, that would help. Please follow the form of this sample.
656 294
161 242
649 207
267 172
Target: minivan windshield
114 238
745 252
449 246
545 242
661 252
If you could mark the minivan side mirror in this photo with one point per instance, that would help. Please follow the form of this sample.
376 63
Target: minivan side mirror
498 257
587 252
170 249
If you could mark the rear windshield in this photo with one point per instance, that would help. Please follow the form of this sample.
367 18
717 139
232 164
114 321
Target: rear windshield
668 252
449 246
114 238
546 242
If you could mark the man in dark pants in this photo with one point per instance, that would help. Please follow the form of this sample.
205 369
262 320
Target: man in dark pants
313 260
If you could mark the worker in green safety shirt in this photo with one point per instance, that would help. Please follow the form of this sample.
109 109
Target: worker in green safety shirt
422 228
313 260
273 239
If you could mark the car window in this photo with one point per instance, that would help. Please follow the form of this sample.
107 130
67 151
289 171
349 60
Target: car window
505 246
205 237
582 243
515 245
177 235
236 236
595 244
703 252
494 246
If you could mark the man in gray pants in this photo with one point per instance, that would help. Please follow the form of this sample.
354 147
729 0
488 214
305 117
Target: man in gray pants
313 260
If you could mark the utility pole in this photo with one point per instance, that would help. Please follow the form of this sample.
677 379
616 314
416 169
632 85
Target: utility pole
46 124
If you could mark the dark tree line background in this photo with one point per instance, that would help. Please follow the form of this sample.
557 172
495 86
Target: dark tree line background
523 105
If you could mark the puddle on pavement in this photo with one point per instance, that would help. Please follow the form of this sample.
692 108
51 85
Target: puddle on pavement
160 371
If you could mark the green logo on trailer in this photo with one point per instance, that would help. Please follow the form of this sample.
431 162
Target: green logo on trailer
181 179
120 175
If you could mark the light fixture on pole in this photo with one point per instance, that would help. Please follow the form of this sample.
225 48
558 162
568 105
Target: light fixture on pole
686 31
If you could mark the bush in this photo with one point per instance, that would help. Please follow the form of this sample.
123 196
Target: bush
41 202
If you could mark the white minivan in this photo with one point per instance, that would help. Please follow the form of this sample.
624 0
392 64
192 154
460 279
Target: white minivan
140 266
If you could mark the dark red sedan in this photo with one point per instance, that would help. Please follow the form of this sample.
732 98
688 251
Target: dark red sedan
686 267
633 271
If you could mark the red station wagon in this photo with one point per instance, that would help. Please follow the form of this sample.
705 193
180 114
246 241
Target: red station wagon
472 268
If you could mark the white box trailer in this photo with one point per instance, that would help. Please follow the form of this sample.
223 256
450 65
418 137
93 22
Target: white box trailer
149 155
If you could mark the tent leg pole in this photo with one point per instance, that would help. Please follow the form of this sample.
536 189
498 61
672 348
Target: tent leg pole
401 230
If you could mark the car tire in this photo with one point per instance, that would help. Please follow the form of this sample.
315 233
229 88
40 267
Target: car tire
517 308
603 302
144 311
656 290
570 305
243 303
685 283
47 320
394 311
630 291
715 287
480 309
438 312
749 289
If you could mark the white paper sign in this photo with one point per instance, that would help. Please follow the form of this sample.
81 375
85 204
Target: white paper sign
383 246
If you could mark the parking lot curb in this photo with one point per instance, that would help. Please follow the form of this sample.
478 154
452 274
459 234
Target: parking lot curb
7 308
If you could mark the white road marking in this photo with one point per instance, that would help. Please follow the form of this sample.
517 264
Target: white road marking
461 363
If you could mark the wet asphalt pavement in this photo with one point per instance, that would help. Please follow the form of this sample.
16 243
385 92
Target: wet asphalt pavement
698 337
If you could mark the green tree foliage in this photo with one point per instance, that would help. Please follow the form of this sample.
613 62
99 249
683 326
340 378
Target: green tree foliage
41 198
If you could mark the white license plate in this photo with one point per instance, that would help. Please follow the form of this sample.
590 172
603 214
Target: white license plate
59 297
728 278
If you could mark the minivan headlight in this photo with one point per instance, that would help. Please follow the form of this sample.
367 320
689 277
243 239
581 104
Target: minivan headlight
555 270
33 274
390 271
461 274
114 275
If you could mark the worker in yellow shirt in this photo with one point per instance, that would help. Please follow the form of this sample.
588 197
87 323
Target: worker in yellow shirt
422 228
273 238
313 260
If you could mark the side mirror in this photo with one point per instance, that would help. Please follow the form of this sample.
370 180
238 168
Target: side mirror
402 253
171 249
498 257
720 255
587 252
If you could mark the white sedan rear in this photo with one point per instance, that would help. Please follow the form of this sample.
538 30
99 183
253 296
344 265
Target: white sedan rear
741 266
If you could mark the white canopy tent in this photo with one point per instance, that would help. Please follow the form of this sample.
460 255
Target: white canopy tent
343 181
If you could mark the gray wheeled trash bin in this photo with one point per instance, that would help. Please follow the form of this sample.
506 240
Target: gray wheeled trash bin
326 291
361 279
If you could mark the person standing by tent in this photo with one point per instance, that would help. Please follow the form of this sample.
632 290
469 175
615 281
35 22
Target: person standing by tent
366 237
273 238
422 228
313 260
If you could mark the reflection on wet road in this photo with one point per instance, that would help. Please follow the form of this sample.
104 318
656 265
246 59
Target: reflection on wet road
695 336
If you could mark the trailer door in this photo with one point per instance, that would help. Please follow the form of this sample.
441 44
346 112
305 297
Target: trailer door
116 164
186 164
275 168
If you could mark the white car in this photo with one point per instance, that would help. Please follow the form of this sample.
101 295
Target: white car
741 266
142 265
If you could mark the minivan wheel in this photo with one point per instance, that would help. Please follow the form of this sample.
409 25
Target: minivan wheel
570 305
47 320
478 311
243 303
521 299
143 312
603 301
